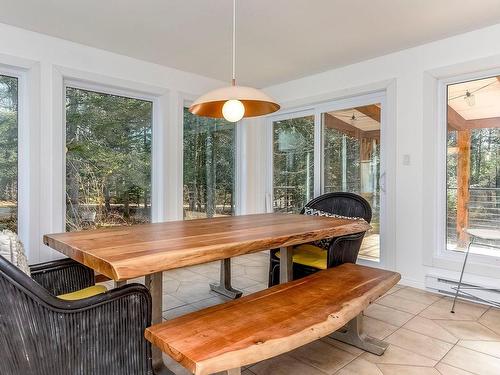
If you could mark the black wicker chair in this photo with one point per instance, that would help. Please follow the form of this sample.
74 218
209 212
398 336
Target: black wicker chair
41 334
342 249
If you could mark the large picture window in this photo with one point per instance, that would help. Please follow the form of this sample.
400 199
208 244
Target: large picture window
209 167
8 152
473 162
108 160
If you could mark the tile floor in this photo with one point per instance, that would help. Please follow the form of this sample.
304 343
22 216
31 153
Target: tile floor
424 337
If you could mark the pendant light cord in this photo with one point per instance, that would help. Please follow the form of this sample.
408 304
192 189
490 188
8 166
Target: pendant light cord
233 81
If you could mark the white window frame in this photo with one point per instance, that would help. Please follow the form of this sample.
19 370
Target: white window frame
63 78
436 254
185 100
27 73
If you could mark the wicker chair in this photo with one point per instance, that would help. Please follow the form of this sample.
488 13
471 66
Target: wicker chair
342 249
41 334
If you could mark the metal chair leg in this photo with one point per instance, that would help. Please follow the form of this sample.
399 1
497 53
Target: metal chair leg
461 276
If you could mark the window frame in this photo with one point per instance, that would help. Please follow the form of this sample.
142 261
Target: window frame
442 256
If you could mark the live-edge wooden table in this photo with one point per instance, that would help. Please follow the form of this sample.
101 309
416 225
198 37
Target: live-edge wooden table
123 253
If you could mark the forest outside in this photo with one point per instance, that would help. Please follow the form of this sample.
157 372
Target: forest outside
8 152
209 167
108 160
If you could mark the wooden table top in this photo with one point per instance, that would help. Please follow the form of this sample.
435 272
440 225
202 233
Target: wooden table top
123 253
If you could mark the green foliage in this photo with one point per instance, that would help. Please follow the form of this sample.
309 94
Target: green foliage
293 160
209 153
8 152
108 159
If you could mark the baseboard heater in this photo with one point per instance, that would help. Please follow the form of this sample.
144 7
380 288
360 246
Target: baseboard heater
447 286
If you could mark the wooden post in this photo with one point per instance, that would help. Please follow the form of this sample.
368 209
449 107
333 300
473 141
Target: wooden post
463 193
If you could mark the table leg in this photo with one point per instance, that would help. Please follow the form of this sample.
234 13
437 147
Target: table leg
224 286
154 283
120 283
286 264
351 334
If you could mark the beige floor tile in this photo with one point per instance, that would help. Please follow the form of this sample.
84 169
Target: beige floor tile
402 304
322 356
258 273
430 328
463 310
243 282
420 344
407 370
377 328
394 289
175 367
171 285
491 319
395 355
178 311
342 346
472 361
256 288
212 301
467 330
284 365
387 314
360 367
190 292
171 302
184 274
445 369
487 347
417 295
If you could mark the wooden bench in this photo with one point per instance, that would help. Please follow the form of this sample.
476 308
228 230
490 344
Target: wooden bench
274 321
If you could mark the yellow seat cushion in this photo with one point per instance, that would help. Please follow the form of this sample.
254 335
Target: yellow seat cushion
84 293
309 255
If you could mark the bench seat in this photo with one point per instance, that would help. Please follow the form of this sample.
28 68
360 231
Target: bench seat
271 322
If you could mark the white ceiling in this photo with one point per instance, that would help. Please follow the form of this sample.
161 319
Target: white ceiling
278 40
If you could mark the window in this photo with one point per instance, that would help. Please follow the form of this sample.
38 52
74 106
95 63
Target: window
108 160
293 163
209 167
8 152
351 160
473 162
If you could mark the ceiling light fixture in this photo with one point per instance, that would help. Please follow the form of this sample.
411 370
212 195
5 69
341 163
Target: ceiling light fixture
470 98
234 102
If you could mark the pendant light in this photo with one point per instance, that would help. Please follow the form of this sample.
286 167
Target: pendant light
234 102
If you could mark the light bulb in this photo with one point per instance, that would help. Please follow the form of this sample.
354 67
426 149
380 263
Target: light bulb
470 98
233 110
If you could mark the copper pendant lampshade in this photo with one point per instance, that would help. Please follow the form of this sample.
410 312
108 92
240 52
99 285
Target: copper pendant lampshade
234 102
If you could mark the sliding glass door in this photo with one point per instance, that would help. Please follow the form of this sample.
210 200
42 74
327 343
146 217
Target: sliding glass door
351 161
333 147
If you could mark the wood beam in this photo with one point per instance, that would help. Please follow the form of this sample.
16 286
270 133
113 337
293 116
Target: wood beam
455 121
333 122
463 193
483 123
373 111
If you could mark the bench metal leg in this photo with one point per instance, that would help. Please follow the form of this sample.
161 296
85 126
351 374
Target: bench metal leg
234 371
224 287
286 264
120 283
351 334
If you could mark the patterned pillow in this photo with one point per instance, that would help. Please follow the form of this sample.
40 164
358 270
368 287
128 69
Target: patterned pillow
12 249
325 242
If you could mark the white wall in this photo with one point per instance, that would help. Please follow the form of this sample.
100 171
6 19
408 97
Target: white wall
46 62
415 184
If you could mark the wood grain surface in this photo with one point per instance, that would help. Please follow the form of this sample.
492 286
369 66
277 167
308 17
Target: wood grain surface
123 253
270 322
